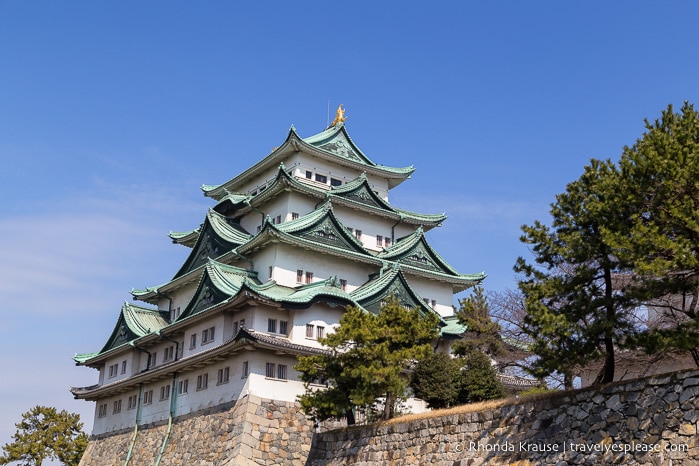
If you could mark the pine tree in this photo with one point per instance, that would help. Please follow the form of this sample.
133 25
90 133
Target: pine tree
370 357
46 434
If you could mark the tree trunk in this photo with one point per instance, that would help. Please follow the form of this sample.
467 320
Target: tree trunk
388 407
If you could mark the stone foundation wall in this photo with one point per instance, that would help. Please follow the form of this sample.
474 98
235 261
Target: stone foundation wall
650 421
251 431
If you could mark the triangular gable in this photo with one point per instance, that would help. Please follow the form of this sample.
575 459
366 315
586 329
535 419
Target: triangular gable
218 283
336 141
133 322
415 251
387 283
322 226
358 190
212 243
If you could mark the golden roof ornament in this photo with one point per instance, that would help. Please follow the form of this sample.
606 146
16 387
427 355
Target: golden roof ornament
339 116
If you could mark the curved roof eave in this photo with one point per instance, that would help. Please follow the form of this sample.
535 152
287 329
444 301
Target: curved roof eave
294 143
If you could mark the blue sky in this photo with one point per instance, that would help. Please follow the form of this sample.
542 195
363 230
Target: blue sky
112 114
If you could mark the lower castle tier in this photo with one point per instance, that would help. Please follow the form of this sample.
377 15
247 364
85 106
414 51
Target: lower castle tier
288 245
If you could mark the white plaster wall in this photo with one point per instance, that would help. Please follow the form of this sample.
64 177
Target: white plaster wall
215 321
440 292
289 259
319 315
284 390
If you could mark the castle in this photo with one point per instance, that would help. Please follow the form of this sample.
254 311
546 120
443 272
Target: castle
288 244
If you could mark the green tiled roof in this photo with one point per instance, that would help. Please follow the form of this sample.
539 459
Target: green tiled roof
389 281
452 329
133 322
333 144
356 193
217 237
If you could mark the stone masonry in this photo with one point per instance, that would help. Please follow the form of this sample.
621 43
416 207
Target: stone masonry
250 431
650 421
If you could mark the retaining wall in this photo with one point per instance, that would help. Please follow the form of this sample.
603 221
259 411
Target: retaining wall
650 421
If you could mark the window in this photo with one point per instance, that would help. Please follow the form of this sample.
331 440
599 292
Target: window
202 381
262 188
169 353
279 219
434 304
270 272
154 359
246 369
343 284
272 325
133 399
193 341
113 370
335 182
321 178
309 277
309 174
358 234
235 328
387 242
379 241
294 215
117 407
148 397
183 386
270 370
242 323
281 371
102 410
174 314
299 276
320 332
224 375
207 335
123 367
309 330
283 327
164 392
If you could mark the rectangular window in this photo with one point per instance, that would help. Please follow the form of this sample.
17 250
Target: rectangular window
235 328
174 314
294 215
183 386
272 325
270 272
117 407
270 370
387 242
343 284
246 369
279 219
281 371
102 410
321 178
202 381
309 277
154 359
283 327
242 323
351 230
433 304
207 335
169 353
193 341
164 392
335 182
224 375
379 241
123 367
320 332
133 399
309 330
147 397
358 234
299 276
113 370
309 174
